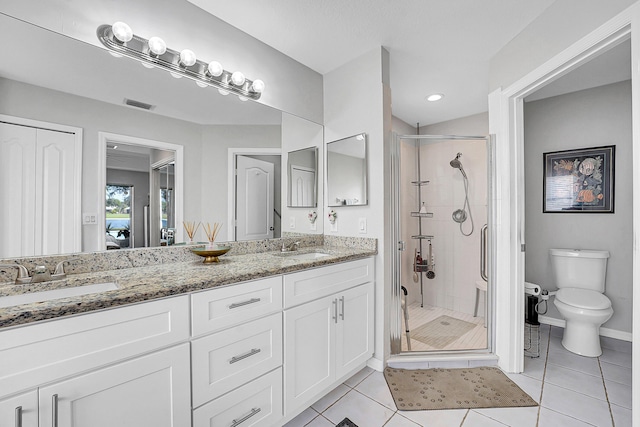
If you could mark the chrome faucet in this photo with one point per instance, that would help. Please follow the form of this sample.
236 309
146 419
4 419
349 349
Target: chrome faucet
40 274
292 247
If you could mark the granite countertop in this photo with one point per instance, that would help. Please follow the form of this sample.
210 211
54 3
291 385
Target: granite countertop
163 280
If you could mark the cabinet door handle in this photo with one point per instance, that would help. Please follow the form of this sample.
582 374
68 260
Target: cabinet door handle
19 416
54 410
335 310
239 421
342 307
235 359
240 304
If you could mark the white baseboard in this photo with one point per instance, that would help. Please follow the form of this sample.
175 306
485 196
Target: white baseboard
604 332
376 364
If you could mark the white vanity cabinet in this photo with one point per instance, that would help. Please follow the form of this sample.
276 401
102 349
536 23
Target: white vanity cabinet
237 367
122 366
326 338
20 410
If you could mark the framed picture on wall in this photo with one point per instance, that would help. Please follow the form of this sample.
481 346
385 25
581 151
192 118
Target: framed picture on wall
579 180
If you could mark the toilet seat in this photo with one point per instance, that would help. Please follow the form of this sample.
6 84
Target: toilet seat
583 298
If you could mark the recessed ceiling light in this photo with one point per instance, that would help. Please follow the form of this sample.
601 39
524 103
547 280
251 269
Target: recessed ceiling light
435 97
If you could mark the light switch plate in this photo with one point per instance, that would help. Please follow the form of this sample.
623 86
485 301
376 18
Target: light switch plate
334 226
292 222
362 225
89 218
313 226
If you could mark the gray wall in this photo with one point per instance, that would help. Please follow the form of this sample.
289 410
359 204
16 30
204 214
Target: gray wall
588 118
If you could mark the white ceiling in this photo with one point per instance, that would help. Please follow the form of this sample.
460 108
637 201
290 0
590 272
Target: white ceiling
435 46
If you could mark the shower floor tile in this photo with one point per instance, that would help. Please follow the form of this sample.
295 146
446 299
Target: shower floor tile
474 339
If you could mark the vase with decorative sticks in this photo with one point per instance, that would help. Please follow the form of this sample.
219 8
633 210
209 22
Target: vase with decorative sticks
212 232
191 228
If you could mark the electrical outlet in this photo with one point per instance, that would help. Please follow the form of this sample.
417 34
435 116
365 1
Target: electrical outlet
313 226
362 225
292 222
334 226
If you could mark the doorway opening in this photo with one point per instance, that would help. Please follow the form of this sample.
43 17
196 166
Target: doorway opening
119 214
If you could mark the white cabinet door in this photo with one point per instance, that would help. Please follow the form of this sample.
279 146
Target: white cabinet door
21 410
354 330
150 391
309 364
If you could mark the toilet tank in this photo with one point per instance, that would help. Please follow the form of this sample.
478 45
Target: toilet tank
579 268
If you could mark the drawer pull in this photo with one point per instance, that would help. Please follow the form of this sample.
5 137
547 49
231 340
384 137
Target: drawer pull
335 310
235 359
239 421
19 416
54 410
342 307
240 304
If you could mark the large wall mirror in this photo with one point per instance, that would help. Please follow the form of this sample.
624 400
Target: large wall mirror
347 171
303 178
84 87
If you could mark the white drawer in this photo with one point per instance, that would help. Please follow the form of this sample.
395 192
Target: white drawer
227 359
36 354
311 284
221 308
258 403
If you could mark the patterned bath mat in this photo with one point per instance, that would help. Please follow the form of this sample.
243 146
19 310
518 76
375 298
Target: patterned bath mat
461 388
346 423
441 331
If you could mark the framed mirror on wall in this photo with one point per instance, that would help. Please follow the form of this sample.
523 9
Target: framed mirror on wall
302 170
347 171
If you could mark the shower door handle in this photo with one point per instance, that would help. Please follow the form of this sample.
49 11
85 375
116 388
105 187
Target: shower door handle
483 253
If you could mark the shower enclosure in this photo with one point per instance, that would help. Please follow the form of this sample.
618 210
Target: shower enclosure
440 198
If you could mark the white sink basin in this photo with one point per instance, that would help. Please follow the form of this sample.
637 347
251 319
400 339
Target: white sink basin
75 291
307 255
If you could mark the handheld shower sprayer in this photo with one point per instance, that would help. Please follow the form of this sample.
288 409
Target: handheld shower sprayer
460 215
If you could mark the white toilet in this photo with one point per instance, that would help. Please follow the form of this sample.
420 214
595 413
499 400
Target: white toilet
580 278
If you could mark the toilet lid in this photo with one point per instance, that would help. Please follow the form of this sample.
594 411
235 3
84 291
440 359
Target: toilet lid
583 298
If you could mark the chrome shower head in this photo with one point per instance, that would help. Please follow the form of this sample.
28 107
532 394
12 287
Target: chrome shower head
457 164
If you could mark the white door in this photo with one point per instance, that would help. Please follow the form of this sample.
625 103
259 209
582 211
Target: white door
254 199
150 391
354 330
39 191
309 367
303 186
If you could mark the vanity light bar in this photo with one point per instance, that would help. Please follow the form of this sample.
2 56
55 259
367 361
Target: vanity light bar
154 53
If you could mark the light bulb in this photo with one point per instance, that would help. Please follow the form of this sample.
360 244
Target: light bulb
122 32
201 84
157 46
257 86
237 78
187 58
223 92
435 97
242 98
215 69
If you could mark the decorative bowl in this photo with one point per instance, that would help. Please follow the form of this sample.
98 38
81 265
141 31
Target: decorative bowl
210 253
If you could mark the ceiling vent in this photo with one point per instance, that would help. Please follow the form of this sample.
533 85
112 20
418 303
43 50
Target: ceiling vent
139 104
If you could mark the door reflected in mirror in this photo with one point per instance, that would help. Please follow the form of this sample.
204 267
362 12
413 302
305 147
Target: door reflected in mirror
347 171
303 178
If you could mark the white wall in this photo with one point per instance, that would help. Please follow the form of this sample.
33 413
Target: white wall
561 24
588 118
357 99
290 86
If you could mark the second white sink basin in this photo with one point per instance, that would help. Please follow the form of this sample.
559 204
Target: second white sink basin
307 255
43 296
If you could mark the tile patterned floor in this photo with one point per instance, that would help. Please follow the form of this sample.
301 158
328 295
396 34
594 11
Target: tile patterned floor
574 391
